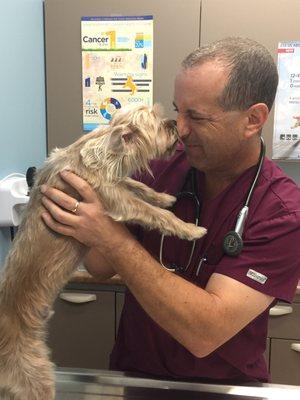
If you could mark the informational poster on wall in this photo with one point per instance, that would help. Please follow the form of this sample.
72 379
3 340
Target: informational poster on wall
286 139
117 65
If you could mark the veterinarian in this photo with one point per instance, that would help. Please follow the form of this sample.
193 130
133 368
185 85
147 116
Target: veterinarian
208 320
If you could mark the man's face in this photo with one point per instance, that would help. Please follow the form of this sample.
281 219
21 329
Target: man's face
212 137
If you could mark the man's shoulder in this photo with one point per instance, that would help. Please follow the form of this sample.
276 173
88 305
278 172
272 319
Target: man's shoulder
276 201
281 190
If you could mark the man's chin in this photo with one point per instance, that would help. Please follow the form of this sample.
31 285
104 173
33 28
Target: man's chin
196 162
194 152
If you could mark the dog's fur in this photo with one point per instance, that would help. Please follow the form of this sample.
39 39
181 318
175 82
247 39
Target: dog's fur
40 261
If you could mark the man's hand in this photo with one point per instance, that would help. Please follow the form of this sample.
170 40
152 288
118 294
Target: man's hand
89 224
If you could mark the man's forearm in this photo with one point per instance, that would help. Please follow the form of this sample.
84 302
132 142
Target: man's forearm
97 265
178 306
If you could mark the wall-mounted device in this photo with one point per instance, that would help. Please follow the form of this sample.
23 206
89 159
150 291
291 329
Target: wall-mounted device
13 199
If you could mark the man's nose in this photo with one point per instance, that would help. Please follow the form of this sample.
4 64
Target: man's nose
182 127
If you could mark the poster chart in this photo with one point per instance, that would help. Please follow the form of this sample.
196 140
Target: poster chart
286 139
117 65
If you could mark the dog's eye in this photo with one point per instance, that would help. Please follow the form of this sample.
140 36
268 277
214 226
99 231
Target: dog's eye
128 137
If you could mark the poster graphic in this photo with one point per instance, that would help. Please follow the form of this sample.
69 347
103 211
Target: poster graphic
117 65
286 139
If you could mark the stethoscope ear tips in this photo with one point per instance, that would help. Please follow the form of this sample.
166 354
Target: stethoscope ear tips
232 244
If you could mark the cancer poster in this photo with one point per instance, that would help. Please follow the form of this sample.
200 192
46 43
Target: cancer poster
117 65
286 138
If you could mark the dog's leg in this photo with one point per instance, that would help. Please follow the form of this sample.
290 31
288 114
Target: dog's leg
149 216
142 191
28 374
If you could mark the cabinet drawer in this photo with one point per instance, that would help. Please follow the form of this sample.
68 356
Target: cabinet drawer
285 362
82 329
285 324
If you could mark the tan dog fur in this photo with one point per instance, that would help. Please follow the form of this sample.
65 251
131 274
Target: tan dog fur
40 261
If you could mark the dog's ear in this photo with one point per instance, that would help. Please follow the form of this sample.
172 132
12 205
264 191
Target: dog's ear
117 142
120 139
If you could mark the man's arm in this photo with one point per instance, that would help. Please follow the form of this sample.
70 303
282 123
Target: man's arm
201 320
97 265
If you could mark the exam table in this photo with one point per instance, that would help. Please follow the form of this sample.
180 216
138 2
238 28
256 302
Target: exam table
79 384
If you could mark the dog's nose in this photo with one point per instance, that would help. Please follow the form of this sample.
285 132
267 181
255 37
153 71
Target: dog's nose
171 123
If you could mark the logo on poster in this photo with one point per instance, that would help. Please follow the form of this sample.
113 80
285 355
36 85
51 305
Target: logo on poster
99 39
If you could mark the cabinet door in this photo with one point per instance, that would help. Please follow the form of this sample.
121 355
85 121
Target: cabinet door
284 321
285 361
120 297
267 353
82 329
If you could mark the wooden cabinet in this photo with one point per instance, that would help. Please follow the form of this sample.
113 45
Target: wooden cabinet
285 361
267 352
82 329
284 338
120 297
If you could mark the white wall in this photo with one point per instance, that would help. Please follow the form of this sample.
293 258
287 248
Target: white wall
22 100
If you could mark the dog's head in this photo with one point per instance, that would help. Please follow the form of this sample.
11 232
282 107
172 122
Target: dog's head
135 136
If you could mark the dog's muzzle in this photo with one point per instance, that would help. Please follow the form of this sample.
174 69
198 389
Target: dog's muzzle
170 124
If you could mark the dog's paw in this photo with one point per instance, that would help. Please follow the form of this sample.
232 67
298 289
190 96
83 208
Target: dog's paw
167 200
194 232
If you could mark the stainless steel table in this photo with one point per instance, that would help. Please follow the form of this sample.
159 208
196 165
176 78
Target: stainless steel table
80 384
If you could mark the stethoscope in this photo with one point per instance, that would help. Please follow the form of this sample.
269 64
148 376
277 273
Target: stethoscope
232 242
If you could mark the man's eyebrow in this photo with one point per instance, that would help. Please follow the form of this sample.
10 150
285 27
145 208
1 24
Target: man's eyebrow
193 112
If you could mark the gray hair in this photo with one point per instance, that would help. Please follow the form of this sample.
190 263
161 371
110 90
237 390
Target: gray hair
253 76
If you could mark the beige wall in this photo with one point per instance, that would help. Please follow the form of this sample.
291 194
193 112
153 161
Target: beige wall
176 32
178 25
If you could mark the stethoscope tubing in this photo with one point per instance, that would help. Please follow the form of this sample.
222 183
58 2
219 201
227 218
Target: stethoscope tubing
194 197
237 233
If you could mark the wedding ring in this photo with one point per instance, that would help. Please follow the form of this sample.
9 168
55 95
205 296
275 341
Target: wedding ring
76 207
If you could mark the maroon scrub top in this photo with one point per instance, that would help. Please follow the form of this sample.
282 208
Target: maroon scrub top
269 263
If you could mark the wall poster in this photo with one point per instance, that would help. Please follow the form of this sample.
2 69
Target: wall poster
286 139
117 65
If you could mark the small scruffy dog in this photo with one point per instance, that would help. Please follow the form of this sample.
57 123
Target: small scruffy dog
40 261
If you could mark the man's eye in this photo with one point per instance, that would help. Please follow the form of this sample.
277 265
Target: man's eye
194 118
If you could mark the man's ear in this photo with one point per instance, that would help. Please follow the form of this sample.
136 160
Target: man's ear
257 116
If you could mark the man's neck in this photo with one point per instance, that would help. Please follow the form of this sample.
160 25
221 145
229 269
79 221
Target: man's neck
217 181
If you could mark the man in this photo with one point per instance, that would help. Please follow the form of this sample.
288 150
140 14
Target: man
208 321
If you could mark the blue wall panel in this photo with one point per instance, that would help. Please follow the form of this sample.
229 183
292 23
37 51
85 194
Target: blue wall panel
22 100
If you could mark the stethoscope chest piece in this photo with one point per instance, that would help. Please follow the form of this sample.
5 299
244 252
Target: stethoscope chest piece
232 244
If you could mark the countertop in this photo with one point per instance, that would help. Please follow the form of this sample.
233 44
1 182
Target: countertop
72 384
85 277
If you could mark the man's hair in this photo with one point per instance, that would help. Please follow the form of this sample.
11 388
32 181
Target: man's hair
253 75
